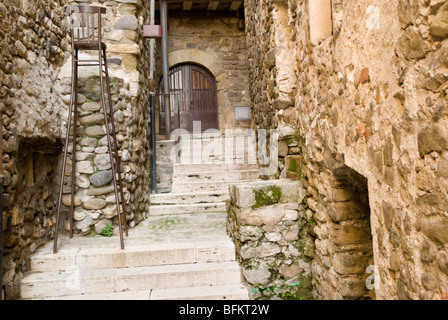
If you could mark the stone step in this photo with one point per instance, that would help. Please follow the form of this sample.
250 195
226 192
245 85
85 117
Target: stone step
221 292
72 258
187 168
216 176
216 135
165 143
212 161
164 158
164 177
164 187
201 186
188 198
107 281
215 146
210 154
165 257
218 151
218 160
159 210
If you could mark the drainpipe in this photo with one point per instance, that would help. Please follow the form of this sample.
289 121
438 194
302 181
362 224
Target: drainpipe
151 47
1 208
163 18
152 99
1 230
152 103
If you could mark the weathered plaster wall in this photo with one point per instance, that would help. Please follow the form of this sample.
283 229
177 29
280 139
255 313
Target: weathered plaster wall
368 118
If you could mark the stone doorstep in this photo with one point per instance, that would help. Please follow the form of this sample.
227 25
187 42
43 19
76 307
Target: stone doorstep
221 292
132 256
188 198
106 281
161 210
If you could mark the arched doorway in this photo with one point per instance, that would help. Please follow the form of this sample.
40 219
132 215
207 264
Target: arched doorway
193 98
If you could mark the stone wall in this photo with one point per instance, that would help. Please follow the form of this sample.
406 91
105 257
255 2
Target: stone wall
220 46
34 95
366 116
127 53
32 37
271 227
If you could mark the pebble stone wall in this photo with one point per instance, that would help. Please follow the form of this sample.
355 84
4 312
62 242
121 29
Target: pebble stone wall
34 96
271 231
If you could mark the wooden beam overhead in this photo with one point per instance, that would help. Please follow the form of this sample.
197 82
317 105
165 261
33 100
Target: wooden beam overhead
203 5
187 5
213 5
235 5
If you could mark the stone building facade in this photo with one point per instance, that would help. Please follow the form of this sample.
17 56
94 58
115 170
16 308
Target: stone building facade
356 89
362 108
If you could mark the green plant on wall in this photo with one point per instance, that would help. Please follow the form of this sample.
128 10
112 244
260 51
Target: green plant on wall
108 230
311 222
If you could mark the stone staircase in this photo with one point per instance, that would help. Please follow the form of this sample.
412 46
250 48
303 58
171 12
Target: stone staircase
203 167
165 258
181 251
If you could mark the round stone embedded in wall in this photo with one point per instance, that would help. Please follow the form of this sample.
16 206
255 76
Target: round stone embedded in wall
91 107
94 204
95 131
126 23
101 178
84 167
102 161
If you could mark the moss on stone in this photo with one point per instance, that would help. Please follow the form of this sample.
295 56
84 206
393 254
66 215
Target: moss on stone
293 165
267 197
299 290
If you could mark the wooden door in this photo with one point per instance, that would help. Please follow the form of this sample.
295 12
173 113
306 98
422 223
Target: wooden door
193 98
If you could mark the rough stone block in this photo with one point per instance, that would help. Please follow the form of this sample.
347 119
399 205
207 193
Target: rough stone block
434 228
432 138
350 233
293 166
350 263
244 195
268 216
257 276
320 20
350 210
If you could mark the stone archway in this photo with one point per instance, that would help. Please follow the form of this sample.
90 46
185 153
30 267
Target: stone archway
194 56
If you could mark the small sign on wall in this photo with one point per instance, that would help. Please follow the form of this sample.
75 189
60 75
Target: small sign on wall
242 113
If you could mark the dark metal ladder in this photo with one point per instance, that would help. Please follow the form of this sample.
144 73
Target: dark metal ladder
85 30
